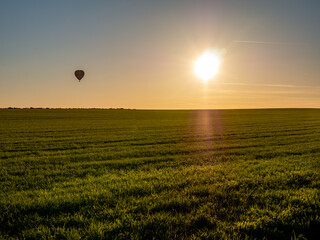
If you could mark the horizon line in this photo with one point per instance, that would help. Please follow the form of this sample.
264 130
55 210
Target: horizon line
152 109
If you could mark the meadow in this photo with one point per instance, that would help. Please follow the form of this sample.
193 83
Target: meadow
138 174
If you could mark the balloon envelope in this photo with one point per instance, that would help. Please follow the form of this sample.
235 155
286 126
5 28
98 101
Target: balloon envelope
79 74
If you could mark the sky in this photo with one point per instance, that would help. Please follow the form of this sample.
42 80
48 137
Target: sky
140 54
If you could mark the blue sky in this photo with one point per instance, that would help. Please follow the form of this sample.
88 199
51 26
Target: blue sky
139 54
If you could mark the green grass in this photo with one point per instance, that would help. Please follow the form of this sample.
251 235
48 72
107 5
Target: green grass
129 174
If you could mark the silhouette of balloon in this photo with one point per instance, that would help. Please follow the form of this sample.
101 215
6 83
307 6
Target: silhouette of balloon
79 74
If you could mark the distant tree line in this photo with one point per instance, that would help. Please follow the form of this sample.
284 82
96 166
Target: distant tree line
68 108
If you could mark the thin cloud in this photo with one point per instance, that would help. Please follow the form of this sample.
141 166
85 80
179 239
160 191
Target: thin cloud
271 85
272 92
264 42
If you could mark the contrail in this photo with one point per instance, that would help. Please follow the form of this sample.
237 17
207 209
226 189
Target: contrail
261 42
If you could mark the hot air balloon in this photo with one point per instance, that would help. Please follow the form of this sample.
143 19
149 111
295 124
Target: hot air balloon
79 74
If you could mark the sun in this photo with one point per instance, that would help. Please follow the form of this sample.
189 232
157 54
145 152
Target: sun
207 65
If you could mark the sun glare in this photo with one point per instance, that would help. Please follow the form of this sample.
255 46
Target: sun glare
207 65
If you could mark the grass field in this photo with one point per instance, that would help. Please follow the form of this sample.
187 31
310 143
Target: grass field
131 174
